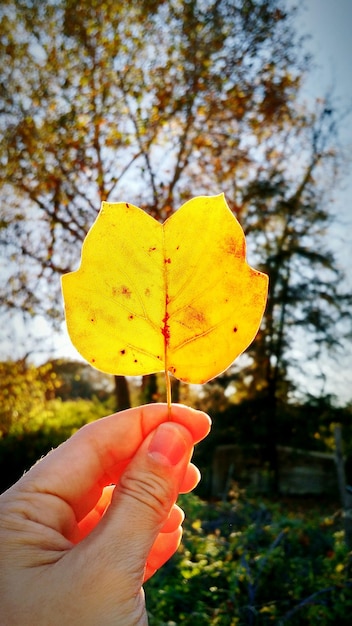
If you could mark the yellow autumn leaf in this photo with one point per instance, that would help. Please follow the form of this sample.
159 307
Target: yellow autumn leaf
177 297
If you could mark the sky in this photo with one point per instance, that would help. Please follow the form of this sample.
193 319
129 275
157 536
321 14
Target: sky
329 22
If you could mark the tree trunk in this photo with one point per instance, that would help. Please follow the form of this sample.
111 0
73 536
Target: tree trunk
175 390
271 445
149 392
122 393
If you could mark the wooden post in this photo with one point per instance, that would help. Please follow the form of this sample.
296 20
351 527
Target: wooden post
345 494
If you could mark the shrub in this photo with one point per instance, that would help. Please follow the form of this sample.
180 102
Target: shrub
253 564
29 439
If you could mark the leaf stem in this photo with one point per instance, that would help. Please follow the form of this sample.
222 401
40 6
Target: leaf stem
168 392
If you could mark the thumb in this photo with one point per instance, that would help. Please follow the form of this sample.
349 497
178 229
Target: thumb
142 501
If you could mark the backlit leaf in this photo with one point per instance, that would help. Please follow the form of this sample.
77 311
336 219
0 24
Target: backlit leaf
177 297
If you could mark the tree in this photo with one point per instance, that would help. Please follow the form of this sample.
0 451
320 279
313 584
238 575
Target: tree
99 97
155 102
307 302
24 393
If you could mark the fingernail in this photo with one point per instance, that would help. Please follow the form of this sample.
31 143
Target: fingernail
167 445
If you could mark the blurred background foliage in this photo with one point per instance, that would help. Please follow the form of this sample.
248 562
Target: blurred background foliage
40 406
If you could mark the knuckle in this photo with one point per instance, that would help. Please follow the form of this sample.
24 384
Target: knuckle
150 490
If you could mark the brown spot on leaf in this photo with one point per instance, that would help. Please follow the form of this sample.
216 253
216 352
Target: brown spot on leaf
234 247
195 316
235 329
199 317
122 351
125 291
168 260
147 292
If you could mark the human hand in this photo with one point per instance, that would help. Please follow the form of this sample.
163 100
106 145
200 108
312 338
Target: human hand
73 548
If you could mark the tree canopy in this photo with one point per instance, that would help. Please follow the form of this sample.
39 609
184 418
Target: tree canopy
155 102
